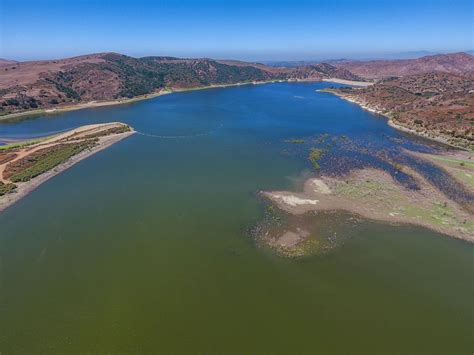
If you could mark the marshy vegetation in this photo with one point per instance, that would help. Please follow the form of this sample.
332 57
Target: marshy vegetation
314 155
295 141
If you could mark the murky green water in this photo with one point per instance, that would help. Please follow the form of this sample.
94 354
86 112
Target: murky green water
144 246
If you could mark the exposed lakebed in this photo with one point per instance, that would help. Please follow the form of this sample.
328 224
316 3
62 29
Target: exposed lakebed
144 246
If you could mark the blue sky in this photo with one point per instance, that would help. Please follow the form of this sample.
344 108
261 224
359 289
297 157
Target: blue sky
250 30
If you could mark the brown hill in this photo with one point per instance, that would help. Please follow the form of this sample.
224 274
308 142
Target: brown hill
455 63
439 105
5 62
108 76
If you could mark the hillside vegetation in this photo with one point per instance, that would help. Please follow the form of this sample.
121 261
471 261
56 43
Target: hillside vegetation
439 105
108 76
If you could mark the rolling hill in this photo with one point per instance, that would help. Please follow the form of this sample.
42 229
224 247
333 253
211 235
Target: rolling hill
455 63
437 104
108 76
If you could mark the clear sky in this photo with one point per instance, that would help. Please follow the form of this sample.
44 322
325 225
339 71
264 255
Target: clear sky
251 30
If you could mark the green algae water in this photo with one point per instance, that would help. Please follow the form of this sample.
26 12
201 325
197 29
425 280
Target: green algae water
144 247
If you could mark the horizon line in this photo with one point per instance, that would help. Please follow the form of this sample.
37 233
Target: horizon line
387 56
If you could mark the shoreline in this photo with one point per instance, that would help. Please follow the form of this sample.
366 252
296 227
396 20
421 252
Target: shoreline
458 165
25 188
404 129
123 101
350 82
397 126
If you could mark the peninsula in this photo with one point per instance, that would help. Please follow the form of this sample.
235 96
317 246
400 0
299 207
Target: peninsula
26 165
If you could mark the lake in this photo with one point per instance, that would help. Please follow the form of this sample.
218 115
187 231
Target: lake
145 246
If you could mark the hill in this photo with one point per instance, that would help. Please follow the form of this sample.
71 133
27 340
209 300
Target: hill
437 105
109 76
455 63
5 62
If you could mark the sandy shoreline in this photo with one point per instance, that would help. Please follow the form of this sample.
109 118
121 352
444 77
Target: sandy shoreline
349 82
23 189
91 104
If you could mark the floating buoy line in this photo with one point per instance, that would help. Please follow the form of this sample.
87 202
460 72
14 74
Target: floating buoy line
158 136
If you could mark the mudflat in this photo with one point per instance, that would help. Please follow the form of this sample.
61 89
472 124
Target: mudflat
374 194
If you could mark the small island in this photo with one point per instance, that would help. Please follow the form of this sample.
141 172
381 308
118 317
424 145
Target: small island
26 165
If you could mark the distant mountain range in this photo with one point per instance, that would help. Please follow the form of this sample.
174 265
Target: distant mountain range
4 62
390 57
299 63
455 63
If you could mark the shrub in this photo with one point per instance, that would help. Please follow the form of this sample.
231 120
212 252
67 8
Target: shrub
6 188
47 160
